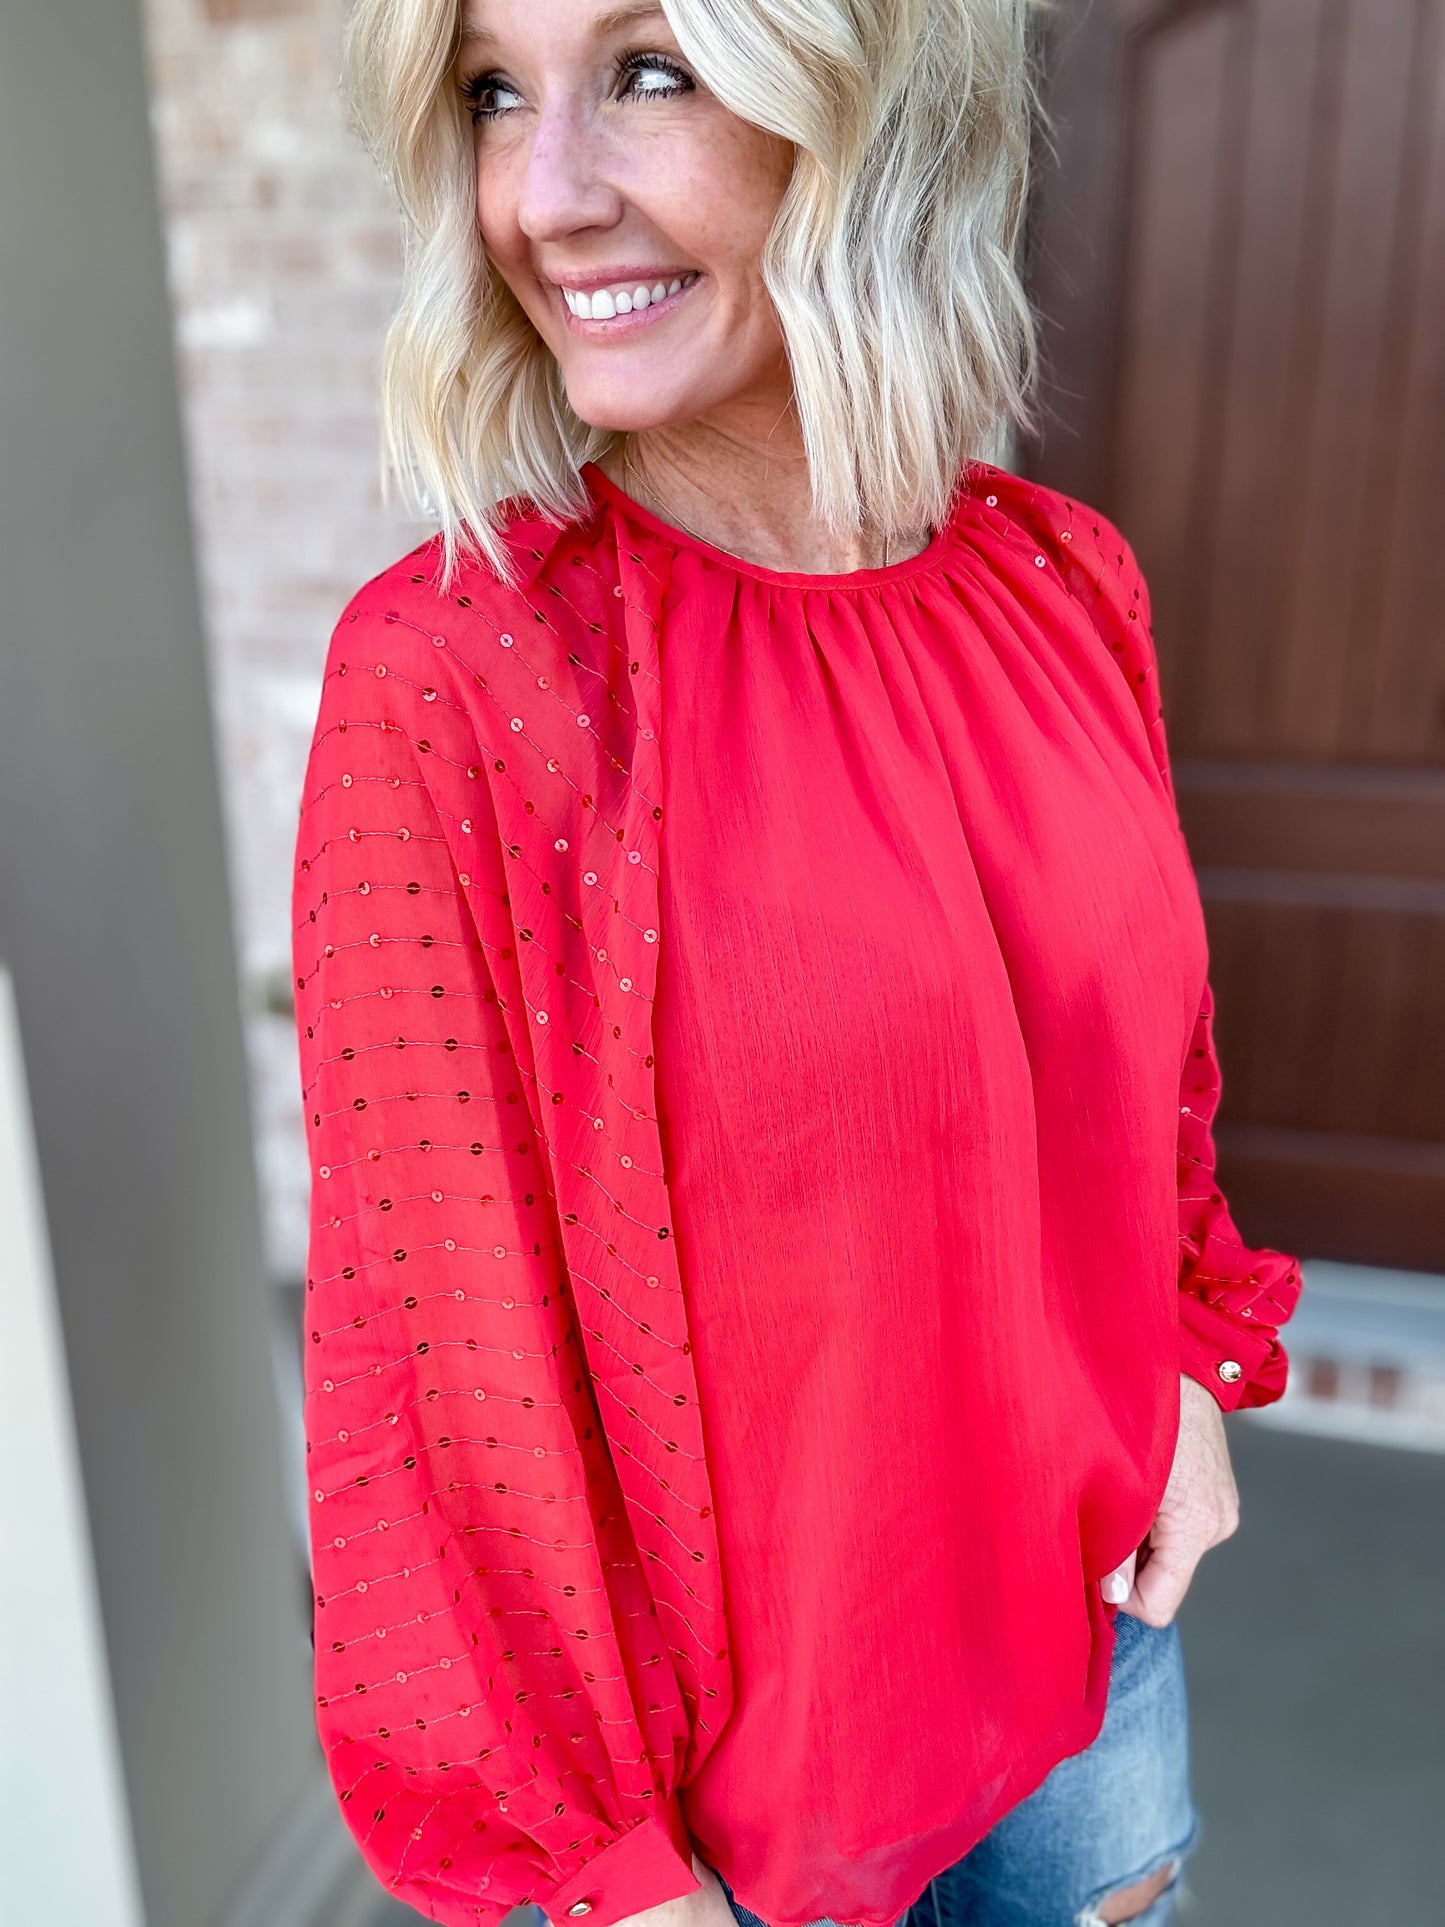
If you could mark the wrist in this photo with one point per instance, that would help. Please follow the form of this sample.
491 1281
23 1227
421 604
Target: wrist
1219 1354
637 1877
705 1906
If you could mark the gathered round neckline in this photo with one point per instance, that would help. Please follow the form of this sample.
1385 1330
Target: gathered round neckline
600 484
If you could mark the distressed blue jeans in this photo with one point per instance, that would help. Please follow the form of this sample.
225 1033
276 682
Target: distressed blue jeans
1102 1820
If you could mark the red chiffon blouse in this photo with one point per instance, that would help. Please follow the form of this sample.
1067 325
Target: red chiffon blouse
757 1053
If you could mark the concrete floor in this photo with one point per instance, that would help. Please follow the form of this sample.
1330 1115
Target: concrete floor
1315 1646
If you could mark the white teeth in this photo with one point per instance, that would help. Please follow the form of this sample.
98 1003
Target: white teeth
604 303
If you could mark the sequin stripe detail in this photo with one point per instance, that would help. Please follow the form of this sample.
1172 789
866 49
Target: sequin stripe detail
345 970
515 1868
400 1882
397 1097
620 1211
595 628
473 1148
668 1445
515 724
415 1300
654 1281
632 989
411 889
545 682
446 1046
459 1486
613 970
516 851
447 1197
444 1663
362 1431
582 1274
645 1467
376 941
367 1689
349 1055
464 823
690 1592
627 1049
421 746
1266 1301
623 1356
515 1540
401 834
553 1405
617 544
470 765
585 559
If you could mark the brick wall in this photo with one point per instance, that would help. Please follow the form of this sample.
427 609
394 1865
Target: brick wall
283 262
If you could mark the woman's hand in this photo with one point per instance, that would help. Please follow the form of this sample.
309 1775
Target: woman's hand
1199 1508
705 1906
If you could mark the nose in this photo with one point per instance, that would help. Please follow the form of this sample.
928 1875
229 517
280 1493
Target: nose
564 185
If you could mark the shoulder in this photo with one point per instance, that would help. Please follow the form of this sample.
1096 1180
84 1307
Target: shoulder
412 595
1095 565
1094 558
439 672
409 628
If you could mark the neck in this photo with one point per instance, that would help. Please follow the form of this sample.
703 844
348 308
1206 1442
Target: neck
750 498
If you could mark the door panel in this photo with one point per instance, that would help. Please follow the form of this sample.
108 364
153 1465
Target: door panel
1239 257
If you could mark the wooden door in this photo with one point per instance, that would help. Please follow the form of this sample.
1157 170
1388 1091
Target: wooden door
1238 249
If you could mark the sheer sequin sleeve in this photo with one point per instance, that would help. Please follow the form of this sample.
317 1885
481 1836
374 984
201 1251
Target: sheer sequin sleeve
497 1707
1233 1297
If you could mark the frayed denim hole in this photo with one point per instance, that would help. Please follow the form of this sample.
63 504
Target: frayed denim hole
1088 1915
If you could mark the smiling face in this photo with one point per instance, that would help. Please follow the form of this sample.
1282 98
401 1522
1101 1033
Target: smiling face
626 208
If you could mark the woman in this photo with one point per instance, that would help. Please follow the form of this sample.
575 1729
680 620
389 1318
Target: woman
770 1312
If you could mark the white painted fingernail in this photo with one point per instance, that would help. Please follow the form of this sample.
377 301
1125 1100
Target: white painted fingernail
1116 1588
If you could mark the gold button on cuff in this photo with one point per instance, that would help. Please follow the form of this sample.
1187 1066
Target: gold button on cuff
580 1907
1231 1370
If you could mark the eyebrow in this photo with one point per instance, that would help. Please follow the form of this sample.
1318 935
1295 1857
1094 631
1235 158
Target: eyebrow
607 23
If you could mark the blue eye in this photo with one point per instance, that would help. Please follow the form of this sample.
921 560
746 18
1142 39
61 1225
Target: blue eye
487 96
655 76
640 76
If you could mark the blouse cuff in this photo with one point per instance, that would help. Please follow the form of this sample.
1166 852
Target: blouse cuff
1238 1366
647 1866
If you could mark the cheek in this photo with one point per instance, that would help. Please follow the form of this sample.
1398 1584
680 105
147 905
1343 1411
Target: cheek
494 202
735 196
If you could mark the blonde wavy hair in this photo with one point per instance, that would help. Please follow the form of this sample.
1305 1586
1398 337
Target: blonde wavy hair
892 262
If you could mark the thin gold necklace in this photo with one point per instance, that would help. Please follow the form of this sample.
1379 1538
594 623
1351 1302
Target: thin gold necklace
672 516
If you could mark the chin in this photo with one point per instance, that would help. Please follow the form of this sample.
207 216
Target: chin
630 407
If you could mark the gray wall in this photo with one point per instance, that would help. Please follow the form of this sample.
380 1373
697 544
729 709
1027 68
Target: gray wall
115 922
